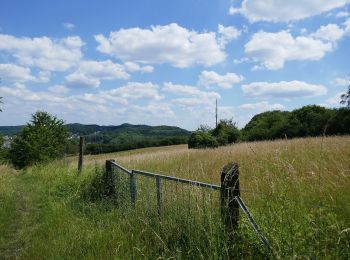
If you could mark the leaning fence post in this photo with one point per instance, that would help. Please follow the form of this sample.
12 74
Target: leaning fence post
133 187
229 190
81 153
110 179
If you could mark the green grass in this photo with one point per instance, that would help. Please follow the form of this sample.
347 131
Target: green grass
299 194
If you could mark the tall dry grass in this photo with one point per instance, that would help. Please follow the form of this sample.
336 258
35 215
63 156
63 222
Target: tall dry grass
297 190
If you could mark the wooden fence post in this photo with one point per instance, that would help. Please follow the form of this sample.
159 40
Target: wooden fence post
230 189
110 179
81 153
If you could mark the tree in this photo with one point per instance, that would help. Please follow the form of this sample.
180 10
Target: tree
41 140
201 139
226 132
345 98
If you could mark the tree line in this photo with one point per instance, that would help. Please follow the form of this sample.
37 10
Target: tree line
310 120
46 138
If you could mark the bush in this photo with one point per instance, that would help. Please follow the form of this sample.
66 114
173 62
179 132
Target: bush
3 150
226 132
200 139
41 140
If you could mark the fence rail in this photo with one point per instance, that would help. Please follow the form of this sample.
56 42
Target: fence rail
229 193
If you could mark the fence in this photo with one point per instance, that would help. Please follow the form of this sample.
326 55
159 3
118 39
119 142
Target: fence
122 186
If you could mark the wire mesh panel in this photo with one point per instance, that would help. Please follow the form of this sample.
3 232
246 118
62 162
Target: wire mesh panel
181 213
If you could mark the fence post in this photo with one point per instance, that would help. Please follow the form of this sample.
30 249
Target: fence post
229 190
110 179
159 195
81 153
133 187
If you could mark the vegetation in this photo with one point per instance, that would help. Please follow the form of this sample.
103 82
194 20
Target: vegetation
41 140
106 139
306 121
345 98
226 132
297 191
129 144
303 122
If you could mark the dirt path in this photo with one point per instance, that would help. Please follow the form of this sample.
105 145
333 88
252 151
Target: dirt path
18 203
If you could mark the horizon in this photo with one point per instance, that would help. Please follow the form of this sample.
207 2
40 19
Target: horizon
156 63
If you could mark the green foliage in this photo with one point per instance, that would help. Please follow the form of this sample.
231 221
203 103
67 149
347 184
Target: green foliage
306 121
129 143
41 140
3 151
226 132
201 139
345 98
94 188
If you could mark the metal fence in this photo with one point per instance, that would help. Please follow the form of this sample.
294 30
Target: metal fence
158 193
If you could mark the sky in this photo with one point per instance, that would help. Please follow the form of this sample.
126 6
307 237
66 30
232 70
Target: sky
166 62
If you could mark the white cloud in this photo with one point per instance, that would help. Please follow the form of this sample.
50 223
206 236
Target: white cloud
273 49
12 72
347 27
342 14
226 34
90 73
158 110
58 89
335 100
80 80
340 82
192 95
283 89
69 26
134 90
133 67
43 52
211 78
241 60
20 91
262 106
330 32
88 107
284 11
171 44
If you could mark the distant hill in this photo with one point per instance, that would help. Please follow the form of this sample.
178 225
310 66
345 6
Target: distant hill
86 130
10 130
112 138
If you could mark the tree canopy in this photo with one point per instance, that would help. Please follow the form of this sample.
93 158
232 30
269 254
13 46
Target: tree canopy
345 98
43 139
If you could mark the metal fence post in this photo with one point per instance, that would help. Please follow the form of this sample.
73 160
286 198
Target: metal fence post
133 190
229 190
159 195
110 179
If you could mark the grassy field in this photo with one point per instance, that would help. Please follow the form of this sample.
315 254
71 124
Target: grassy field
297 190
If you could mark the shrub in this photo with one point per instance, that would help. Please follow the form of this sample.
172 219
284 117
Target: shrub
41 140
226 132
201 139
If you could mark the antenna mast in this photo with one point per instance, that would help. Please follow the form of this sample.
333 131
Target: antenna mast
216 112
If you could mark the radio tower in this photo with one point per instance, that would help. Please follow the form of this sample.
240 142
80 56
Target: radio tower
216 112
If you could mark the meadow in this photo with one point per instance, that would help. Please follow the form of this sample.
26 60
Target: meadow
297 190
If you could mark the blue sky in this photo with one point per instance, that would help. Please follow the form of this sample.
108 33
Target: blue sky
165 62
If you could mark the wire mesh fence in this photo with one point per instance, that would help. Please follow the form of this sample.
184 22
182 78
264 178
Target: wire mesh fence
186 216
